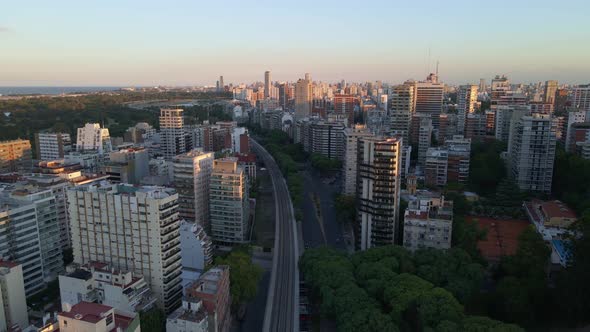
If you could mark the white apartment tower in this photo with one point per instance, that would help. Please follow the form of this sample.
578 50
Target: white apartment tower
173 140
131 228
94 138
581 98
303 97
401 107
379 168
13 305
350 164
531 151
466 101
192 173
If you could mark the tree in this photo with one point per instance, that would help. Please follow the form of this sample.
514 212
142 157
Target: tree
486 168
153 320
244 275
345 208
438 305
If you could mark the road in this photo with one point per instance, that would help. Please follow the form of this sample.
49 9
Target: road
282 304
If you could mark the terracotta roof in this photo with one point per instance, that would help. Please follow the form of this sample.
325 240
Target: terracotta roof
502 236
9 264
557 209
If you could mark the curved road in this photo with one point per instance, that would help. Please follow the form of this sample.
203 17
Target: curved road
282 303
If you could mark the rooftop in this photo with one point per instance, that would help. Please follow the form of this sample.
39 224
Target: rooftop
502 236
87 311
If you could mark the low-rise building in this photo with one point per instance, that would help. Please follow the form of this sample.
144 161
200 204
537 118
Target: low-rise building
552 219
428 222
97 282
88 316
212 289
15 156
192 316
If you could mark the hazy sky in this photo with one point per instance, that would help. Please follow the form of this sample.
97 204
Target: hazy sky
193 42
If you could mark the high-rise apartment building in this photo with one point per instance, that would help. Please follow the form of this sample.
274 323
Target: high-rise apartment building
531 152
13 304
327 138
476 126
435 167
500 87
429 99
132 228
459 151
303 97
550 92
424 136
581 97
173 141
428 222
127 165
30 234
92 137
504 116
482 84
267 84
192 173
15 156
344 105
229 207
466 101
52 146
350 164
379 164
401 107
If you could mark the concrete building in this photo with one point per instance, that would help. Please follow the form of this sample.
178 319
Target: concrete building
196 247
459 156
13 305
424 136
540 107
552 219
15 156
303 98
350 164
267 83
435 167
229 206
87 316
500 87
248 163
212 288
429 99
240 140
192 316
131 228
127 165
401 107
466 101
504 116
327 138
173 138
578 133
581 97
30 235
573 117
379 163
550 92
192 173
99 283
428 222
476 127
344 105
52 146
92 137
531 152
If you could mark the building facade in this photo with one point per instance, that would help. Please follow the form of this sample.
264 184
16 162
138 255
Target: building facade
52 146
15 156
428 222
173 138
192 173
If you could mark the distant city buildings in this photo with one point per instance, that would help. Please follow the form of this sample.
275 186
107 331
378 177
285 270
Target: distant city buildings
92 137
172 132
466 102
303 97
192 173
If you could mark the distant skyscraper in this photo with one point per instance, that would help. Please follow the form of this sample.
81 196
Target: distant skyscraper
429 98
344 105
550 92
303 98
500 87
350 165
531 152
379 170
482 84
283 95
308 77
172 132
221 84
581 97
466 100
266 84
401 107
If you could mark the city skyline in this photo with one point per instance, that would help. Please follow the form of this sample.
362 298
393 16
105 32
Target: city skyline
149 43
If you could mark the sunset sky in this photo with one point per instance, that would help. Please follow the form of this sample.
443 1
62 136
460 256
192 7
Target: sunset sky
121 43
